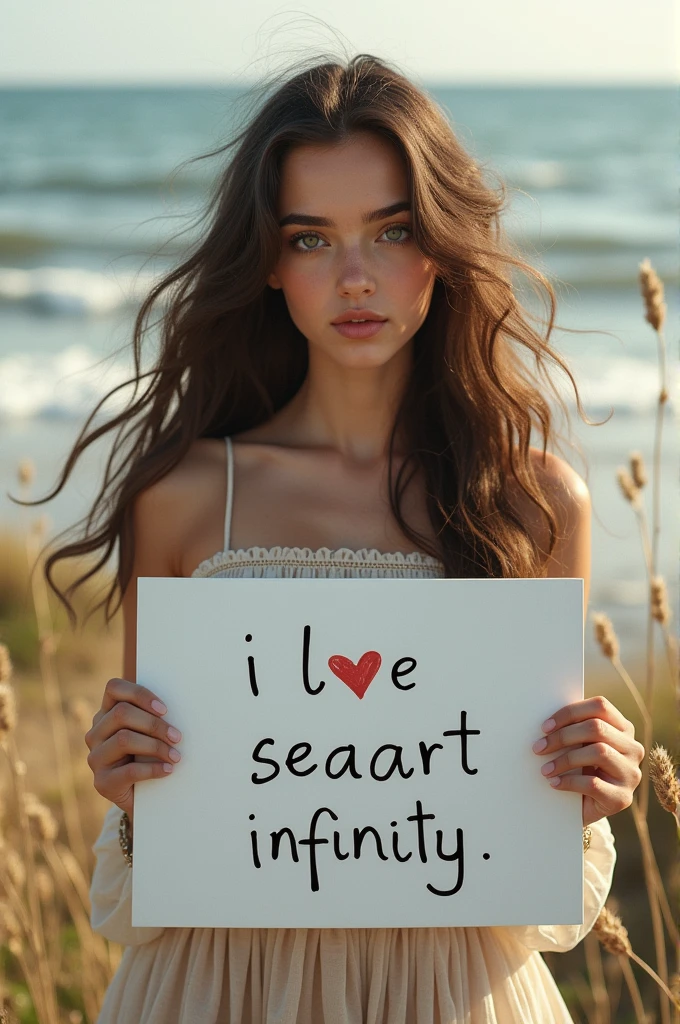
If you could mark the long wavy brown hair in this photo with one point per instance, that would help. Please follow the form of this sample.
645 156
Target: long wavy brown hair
229 356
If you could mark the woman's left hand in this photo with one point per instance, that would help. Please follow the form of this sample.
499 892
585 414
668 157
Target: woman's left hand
594 736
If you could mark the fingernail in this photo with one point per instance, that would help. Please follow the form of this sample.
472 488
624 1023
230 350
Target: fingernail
174 755
548 725
540 745
556 781
159 707
168 767
174 735
547 768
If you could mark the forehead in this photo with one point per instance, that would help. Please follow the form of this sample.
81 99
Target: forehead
361 173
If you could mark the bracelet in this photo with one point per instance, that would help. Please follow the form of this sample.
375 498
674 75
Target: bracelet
587 836
125 838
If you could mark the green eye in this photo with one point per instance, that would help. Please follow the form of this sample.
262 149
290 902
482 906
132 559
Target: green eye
305 237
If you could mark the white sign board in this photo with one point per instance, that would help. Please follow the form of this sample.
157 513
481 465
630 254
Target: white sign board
356 753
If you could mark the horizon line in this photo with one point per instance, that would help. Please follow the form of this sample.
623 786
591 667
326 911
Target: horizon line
434 82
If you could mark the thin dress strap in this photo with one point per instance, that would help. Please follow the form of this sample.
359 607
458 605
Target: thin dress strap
230 493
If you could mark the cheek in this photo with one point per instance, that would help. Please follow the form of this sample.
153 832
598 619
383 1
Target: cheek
304 286
413 284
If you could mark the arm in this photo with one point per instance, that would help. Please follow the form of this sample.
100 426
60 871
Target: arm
127 711
575 751
590 744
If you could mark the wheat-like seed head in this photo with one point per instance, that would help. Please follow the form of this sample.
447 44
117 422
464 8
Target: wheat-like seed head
674 986
5 664
664 779
612 933
605 635
15 868
40 527
44 884
659 600
8 710
26 472
652 290
629 488
9 924
6 1004
638 469
651 287
40 818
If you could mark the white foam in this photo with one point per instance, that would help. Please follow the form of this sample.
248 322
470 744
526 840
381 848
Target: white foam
539 173
67 384
71 290
622 383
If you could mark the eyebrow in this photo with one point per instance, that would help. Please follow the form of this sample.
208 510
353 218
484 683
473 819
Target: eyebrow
311 220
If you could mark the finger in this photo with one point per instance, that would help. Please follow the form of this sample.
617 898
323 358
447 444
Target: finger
124 744
134 693
124 715
605 794
114 783
580 710
592 730
612 766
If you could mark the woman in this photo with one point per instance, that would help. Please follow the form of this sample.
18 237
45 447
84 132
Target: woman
342 389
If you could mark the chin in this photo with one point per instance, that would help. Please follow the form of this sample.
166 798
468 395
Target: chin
359 356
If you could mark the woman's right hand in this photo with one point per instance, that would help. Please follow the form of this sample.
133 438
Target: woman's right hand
126 726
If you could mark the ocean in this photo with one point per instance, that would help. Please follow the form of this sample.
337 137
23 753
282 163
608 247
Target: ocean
91 187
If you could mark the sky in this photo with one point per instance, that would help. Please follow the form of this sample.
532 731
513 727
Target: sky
193 41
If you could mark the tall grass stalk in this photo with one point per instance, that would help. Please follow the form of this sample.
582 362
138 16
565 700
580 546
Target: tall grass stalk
632 483
53 696
44 884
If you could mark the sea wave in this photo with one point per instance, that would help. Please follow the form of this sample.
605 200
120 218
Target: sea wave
622 384
70 290
19 243
89 181
68 385
546 174
125 178
61 385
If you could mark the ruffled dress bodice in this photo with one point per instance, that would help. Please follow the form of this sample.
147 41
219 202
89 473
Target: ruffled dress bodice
486 975
324 563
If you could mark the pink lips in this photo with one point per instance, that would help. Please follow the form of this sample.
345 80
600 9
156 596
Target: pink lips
364 330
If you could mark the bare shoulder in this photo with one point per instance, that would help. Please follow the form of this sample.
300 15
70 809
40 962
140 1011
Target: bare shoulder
166 513
561 482
566 492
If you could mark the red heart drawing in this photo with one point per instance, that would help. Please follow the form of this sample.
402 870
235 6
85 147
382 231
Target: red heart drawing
358 677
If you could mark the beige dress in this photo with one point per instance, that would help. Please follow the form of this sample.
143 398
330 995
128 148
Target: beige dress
331 976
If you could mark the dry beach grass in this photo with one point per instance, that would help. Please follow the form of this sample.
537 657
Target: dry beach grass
53 968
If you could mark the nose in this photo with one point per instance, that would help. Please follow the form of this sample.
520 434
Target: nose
355 278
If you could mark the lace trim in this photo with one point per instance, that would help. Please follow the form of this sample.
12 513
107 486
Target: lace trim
322 556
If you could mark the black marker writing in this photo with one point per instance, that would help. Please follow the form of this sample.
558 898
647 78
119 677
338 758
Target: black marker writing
366 841
251 669
306 639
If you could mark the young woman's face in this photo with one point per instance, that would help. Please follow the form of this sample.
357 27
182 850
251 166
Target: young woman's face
333 260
